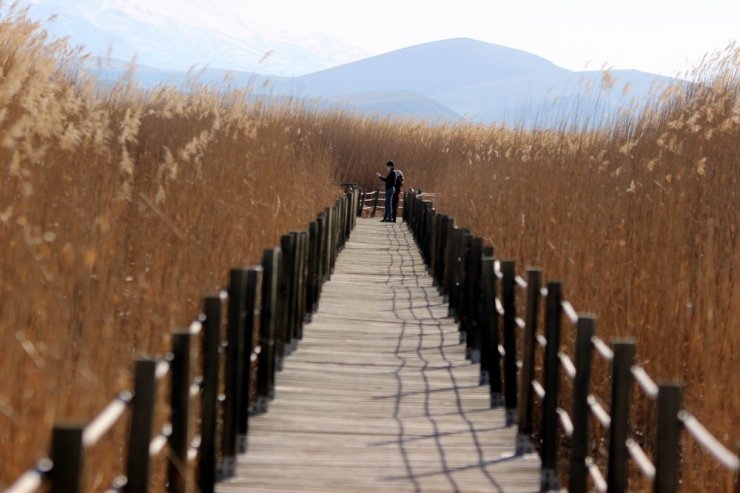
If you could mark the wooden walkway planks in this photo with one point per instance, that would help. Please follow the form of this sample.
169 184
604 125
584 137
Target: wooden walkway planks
379 396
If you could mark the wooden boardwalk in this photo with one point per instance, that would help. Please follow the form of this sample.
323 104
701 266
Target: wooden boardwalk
379 396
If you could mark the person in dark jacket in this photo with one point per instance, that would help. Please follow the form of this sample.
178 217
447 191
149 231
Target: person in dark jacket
390 188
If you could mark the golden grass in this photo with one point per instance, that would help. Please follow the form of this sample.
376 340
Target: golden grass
120 209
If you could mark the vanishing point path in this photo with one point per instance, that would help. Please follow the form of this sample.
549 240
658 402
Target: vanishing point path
379 395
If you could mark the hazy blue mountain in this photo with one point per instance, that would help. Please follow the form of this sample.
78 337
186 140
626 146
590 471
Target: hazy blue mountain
443 80
156 33
429 68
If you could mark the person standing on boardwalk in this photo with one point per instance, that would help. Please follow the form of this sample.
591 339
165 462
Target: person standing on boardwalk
390 188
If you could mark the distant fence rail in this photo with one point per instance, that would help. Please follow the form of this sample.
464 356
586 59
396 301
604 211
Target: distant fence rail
482 294
371 201
261 313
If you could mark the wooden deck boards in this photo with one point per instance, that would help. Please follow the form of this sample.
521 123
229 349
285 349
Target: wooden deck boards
379 396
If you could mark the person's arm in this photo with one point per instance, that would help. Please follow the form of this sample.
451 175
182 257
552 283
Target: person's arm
381 177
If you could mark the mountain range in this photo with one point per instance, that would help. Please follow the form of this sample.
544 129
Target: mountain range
448 80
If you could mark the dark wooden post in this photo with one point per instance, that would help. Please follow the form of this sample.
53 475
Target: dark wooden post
524 443
490 357
211 342
508 294
234 371
253 305
618 470
287 292
462 291
313 258
553 315
668 439
473 299
142 425
449 258
298 280
375 203
577 479
441 257
455 243
281 309
361 205
67 454
178 472
304 313
268 315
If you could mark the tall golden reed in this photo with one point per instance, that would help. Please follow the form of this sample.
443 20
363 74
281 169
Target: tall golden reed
120 209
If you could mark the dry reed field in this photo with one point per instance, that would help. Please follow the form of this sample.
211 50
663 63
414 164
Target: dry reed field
120 209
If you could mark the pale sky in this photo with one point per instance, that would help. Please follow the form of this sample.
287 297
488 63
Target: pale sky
665 37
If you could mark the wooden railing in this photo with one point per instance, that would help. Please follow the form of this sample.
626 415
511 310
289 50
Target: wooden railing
482 293
262 312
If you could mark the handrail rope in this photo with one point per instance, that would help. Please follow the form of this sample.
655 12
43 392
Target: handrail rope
646 383
497 269
641 459
541 340
708 442
538 389
103 422
599 412
194 448
603 349
163 367
569 311
195 327
596 476
521 282
158 442
31 480
565 421
118 484
567 364
499 307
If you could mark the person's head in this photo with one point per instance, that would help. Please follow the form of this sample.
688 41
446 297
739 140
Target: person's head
390 164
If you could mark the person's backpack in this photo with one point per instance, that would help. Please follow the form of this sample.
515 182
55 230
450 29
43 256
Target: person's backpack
399 178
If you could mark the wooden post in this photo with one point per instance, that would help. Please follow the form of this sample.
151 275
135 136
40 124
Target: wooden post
234 372
253 305
491 359
211 341
618 470
268 315
178 472
67 454
449 258
524 443
462 291
142 425
313 258
375 203
455 246
473 299
508 294
668 438
304 313
580 414
288 292
298 284
553 315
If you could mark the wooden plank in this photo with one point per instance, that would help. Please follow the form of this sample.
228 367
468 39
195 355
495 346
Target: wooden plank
379 397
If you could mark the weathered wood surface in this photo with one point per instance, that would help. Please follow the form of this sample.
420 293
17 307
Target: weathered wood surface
379 396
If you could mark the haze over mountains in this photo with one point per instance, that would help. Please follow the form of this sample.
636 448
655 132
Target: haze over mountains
445 80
